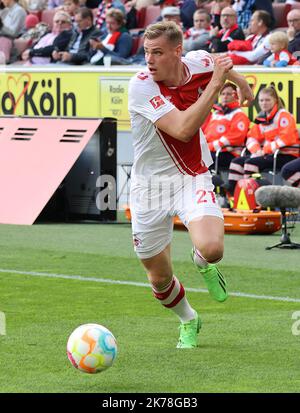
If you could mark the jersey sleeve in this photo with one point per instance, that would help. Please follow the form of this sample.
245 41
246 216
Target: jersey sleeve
145 98
199 61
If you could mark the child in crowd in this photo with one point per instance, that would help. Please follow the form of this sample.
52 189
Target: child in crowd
280 56
197 37
70 7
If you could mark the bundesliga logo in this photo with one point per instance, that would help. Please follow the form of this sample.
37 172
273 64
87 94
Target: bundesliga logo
157 102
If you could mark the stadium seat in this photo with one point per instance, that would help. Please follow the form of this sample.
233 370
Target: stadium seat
152 13
280 12
140 15
47 16
5 47
135 44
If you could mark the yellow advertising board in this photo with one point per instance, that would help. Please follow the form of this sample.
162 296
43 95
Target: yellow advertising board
95 93
286 82
78 93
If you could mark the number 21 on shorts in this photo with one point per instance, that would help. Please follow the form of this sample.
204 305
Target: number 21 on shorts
205 196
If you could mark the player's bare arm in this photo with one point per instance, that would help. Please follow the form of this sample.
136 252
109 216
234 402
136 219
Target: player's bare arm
244 91
182 125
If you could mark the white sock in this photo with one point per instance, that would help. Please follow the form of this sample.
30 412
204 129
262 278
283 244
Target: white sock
173 296
198 259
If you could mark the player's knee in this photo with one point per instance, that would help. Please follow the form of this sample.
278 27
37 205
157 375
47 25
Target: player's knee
159 280
213 252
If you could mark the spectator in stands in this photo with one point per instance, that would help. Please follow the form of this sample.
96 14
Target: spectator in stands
256 47
12 19
246 8
34 6
117 43
197 36
71 7
12 23
34 30
187 10
53 4
227 125
103 8
90 4
171 14
274 128
291 172
78 50
215 11
293 32
58 40
280 56
219 39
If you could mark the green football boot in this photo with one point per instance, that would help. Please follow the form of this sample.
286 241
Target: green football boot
214 280
189 333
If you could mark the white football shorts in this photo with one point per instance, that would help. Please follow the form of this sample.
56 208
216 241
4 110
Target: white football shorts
154 205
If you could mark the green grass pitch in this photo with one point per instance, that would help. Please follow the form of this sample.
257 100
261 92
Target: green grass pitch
246 344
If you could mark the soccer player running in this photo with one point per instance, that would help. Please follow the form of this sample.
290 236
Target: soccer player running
168 104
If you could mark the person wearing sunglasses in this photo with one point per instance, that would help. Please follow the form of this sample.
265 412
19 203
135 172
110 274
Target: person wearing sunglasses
57 39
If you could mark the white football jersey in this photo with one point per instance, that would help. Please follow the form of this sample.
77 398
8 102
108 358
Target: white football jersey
155 152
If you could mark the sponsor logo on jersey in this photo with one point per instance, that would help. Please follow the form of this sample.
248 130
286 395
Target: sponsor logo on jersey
206 61
142 76
157 102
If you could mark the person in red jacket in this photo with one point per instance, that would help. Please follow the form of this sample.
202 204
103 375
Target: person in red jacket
256 47
274 128
228 125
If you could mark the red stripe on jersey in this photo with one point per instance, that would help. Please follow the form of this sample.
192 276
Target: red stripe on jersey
177 299
163 296
187 155
159 132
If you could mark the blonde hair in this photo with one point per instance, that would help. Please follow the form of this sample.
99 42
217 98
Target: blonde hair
64 14
169 29
270 90
279 37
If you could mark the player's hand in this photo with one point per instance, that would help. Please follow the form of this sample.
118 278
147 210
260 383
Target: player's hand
223 64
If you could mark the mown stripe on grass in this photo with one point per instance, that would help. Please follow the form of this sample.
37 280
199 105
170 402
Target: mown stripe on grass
139 284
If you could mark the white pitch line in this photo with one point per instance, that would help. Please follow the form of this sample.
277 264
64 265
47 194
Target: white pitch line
139 284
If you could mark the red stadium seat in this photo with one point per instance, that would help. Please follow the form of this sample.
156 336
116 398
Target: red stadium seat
141 14
280 12
152 13
47 16
138 40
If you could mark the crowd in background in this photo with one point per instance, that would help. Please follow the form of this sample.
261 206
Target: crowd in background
77 32
84 31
